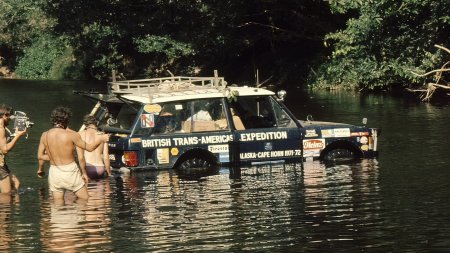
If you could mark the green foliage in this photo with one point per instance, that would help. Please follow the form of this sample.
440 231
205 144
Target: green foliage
98 49
47 58
342 6
21 21
164 45
384 43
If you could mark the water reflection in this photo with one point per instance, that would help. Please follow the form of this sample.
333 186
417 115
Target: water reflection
342 201
5 223
249 208
396 203
78 227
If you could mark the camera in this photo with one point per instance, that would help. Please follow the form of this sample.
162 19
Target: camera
21 121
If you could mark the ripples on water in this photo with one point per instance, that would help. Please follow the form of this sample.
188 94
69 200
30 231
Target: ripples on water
264 208
396 203
309 207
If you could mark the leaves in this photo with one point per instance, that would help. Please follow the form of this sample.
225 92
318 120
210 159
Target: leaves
45 58
385 40
165 45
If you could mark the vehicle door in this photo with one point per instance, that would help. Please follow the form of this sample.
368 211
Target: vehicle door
265 131
172 130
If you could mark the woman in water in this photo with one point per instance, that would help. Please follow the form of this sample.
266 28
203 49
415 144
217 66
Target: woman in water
97 161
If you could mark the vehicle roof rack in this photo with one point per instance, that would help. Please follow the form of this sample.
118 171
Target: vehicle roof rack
149 86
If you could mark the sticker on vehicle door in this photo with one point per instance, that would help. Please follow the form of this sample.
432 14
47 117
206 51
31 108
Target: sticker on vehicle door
218 148
312 148
147 120
162 154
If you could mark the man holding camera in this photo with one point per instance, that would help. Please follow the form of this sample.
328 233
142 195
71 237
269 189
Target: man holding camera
7 143
57 145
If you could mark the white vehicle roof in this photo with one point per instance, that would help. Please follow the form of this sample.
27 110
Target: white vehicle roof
169 89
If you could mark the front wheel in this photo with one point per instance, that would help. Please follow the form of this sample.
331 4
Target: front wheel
339 154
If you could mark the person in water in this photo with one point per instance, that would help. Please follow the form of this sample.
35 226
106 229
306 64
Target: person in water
96 162
57 145
7 143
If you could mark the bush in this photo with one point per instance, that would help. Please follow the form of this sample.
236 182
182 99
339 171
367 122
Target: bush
379 48
47 58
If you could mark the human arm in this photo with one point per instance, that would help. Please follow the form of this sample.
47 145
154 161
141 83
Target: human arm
41 170
76 138
82 163
5 146
106 161
42 156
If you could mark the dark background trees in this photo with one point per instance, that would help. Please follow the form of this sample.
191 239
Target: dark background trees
358 44
383 42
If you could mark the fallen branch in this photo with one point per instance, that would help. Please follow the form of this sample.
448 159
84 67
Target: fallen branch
431 72
432 87
416 90
439 85
443 48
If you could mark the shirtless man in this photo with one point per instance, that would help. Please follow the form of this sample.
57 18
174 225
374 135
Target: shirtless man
7 179
57 145
96 162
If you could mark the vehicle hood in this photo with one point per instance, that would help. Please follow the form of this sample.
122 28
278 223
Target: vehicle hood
314 124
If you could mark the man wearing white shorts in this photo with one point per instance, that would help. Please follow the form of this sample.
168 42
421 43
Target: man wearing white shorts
57 145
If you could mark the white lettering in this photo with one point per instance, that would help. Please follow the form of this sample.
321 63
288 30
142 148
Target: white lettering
156 143
247 155
262 136
277 153
185 141
216 139
314 144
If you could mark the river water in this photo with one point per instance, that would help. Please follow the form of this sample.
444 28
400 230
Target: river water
398 202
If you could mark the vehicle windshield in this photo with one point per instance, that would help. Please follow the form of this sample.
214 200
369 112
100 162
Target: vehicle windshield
260 112
201 115
119 115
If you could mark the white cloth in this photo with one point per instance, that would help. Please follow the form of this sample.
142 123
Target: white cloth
65 177
201 115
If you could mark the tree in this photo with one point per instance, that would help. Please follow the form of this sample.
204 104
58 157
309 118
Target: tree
147 37
21 21
381 44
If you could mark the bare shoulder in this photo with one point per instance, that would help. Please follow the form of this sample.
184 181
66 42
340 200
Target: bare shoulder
71 131
44 134
73 134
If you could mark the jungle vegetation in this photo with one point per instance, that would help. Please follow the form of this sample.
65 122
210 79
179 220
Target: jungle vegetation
335 43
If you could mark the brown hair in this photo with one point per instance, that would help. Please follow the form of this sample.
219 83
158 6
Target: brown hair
61 115
89 120
4 109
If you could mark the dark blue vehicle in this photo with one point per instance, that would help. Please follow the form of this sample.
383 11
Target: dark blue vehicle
188 122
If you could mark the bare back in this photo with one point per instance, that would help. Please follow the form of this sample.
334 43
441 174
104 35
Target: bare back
59 144
95 157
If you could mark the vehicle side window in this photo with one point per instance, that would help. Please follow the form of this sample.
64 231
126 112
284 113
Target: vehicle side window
283 118
205 115
255 112
124 118
170 118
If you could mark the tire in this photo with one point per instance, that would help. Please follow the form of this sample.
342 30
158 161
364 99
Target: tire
196 167
339 154
195 163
